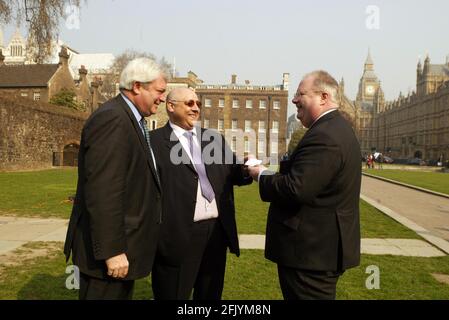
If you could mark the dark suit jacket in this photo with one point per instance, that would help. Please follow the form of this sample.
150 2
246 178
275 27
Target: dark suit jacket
118 200
179 189
313 220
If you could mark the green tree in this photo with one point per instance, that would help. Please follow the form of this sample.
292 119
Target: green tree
42 18
296 137
67 98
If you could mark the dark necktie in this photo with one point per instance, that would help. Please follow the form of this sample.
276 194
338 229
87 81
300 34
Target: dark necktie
146 133
195 152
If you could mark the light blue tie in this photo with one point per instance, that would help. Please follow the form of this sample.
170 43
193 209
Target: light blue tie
195 151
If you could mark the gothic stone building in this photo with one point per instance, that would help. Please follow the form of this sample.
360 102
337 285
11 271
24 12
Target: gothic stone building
416 125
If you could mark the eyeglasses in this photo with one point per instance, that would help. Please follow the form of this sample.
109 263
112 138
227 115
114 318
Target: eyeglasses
190 103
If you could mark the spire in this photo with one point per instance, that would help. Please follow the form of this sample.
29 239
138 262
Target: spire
426 68
419 69
379 91
369 60
342 85
369 64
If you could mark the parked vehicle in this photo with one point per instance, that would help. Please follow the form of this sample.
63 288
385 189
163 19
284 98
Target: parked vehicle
416 162
388 159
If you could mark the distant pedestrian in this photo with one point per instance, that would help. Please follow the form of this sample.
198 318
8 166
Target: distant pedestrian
380 160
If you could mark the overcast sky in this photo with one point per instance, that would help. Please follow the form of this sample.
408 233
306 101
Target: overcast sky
259 39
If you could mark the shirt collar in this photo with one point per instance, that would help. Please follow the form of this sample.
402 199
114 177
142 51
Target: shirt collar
323 114
180 131
133 108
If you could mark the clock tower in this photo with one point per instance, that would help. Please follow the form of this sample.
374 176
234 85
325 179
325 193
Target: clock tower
368 85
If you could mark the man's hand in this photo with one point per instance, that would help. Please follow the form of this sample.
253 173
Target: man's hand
118 266
255 170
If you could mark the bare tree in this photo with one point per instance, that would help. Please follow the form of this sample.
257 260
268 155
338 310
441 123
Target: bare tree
110 82
42 18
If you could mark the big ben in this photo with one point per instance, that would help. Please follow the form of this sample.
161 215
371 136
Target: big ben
368 85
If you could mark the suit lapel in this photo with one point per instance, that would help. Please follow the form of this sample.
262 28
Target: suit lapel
142 140
171 140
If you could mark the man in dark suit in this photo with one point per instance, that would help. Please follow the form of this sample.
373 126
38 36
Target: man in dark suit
313 228
117 213
198 204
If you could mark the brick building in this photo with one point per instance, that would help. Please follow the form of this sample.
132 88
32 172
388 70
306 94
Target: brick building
235 108
259 112
40 82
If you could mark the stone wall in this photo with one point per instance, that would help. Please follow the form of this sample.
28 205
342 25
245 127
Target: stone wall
33 135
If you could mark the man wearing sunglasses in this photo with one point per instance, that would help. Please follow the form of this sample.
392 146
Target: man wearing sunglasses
198 204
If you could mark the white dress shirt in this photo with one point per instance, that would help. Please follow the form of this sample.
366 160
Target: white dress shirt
204 209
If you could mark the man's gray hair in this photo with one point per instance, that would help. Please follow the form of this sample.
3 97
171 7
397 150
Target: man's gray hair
142 70
324 82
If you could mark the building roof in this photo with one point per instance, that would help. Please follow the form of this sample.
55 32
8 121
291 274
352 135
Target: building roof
94 62
439 69
239 87
36 75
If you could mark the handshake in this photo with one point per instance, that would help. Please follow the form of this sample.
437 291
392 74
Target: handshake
254 167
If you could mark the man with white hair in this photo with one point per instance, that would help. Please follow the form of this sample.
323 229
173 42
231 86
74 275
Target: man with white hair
114 227
313 228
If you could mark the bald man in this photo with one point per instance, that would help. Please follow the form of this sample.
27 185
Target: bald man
198 204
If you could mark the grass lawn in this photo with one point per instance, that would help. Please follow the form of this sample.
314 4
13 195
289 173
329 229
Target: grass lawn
45 194
39 193
249 277
375 224
252 217
435 181
42 276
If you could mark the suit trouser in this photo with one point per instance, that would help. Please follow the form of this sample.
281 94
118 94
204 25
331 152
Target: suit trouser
105 289
202 270
297 284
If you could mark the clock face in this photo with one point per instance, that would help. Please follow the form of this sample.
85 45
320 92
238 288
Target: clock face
369 90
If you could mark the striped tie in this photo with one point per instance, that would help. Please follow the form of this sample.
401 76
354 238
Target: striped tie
146 133
195 152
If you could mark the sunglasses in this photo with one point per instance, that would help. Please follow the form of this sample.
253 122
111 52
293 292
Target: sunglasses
190 103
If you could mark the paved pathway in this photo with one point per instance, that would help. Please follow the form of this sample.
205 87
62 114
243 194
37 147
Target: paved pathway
14 232
398 247
426 214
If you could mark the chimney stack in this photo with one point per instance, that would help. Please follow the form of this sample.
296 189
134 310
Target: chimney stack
285 81
234 79
64 57
83 73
